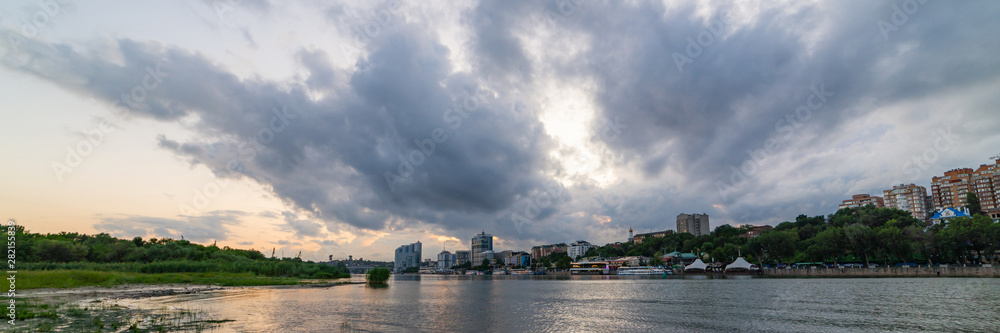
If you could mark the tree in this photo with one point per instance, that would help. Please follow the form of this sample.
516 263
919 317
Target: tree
973 203
546 262
564 262
656 260
861 239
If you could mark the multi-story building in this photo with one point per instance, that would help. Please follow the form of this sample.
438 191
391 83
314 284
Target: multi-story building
578 249
408 256
695 224
517 258
539 251
756 230
861 200
639 238
445 260
951 190
911 198
480 244
462 257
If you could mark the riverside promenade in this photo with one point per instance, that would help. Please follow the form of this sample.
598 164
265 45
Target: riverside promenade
922 271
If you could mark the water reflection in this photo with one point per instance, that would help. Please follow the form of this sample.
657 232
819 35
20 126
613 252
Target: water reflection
601 303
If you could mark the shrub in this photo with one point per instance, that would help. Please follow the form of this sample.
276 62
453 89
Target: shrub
377 275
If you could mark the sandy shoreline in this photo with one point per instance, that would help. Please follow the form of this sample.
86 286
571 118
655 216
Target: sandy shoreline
138 291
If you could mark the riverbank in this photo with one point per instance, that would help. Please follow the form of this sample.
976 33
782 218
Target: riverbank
85 278
94 308
924 271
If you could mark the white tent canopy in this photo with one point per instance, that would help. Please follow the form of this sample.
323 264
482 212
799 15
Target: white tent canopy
697 264
739 264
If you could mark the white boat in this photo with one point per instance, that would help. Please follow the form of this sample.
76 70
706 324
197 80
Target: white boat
499 272
642 270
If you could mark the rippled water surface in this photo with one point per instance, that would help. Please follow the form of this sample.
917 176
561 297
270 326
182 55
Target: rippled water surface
600 304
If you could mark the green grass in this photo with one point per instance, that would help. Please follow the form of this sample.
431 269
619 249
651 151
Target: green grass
83 278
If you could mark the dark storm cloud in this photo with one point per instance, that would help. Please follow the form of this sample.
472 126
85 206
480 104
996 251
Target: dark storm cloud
205 228
331 157
746 78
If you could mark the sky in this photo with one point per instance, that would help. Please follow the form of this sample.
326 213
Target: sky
351 128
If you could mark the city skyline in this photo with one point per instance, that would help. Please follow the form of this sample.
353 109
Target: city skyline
353 128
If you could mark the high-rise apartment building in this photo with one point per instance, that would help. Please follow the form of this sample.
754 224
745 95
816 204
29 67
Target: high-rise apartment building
861 200
480 244
695 224
911 198
408 256
951 189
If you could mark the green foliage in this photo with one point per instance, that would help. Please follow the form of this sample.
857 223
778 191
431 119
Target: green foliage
103 253
564 262
852 235
377 275
972 202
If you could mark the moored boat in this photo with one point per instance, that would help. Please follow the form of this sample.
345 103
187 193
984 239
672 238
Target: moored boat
642 270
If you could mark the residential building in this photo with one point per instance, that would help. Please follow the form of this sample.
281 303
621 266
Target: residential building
445 260
638 239
462 257
578 249
951 189
539 251
517 258
756 230
500 258
695 224
861 200
408 256
480 244
911 198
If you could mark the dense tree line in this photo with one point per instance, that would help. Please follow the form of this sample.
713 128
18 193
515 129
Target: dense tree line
852 235
67 250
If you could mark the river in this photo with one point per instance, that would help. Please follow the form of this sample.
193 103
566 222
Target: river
602 304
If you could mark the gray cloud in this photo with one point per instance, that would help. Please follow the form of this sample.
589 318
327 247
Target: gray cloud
205 228
686 132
